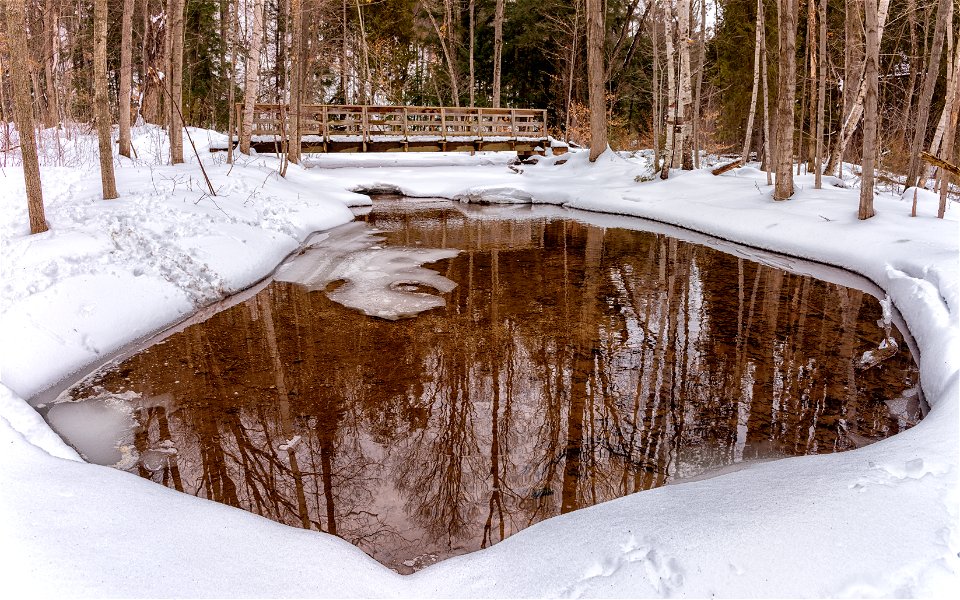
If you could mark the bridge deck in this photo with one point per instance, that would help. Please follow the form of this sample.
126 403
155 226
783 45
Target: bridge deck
362 128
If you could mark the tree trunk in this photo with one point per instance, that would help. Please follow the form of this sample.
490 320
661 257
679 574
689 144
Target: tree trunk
251 84
50 36
595 72
126 74
951 82
498 50
448 58
814 63
101 100
756 85
685 106
296 79
926 93
852 118
473 80
23 112
343 55
175 8
786 97
912 82
948 144
767 151
670 148
233 14
870 117
699 87
821 97
656 89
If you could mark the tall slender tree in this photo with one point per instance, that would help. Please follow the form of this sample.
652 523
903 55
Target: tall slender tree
126 75
497 50
870 117
926 92
297 58
100 99
23 112
251 83
821 97
595 76
786 96
756 85
175 14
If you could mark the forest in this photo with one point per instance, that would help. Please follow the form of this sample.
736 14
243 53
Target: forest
797 83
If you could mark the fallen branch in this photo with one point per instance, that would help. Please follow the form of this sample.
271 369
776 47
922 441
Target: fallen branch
939 162
727 167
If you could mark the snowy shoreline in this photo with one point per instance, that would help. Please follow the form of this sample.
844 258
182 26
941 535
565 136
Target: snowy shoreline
827 525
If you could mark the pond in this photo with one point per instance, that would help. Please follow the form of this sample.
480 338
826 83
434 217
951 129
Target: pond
435 377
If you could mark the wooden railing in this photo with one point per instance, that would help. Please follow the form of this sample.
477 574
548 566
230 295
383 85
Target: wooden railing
402 123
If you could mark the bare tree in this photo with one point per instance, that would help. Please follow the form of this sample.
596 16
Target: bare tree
175 12
498 50
50 39
100 99
473 81
756 84
126 74
870 118
670 147
685 104
595 77
251 82
23 113
821 96
786 96
926 93
296 79
767 151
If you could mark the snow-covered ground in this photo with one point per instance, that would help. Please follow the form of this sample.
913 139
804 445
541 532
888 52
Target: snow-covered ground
878 521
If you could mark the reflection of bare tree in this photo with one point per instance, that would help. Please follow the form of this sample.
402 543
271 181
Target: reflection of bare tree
571 365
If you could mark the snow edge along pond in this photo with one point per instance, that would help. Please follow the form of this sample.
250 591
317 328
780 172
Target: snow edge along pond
878 521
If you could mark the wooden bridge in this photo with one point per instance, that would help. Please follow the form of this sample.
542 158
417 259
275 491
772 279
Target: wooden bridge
361 128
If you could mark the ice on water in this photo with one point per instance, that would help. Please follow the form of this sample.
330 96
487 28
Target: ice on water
378 280
99 428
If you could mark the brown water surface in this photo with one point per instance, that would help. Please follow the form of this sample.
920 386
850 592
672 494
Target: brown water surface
569 365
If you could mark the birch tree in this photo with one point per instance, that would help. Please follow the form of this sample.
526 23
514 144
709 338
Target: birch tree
926 93
821 97
251 83
498 51
670 146
870 117
756 84
100 99
23 112
685 103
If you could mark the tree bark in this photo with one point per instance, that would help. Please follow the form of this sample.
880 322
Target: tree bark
951 83
767 151
870 118
296 79
50 36
745 155
852 118
595 72
786 97
23 112
498 50
473 80
100 99
685 105
126 74
926 93
654 25
821 97
670 147
697 99
233 14
175 8
251 84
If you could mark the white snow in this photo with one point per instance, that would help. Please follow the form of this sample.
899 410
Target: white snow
878 521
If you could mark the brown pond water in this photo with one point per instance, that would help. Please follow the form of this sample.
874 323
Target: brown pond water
568 365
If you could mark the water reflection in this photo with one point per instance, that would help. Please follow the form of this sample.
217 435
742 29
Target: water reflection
570 365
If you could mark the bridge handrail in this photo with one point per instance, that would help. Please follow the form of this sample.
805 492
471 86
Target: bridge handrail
363 121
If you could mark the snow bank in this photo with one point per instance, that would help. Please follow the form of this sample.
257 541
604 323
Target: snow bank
878 521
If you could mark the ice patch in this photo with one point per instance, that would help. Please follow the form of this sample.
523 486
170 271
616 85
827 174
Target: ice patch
378 281
99 428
